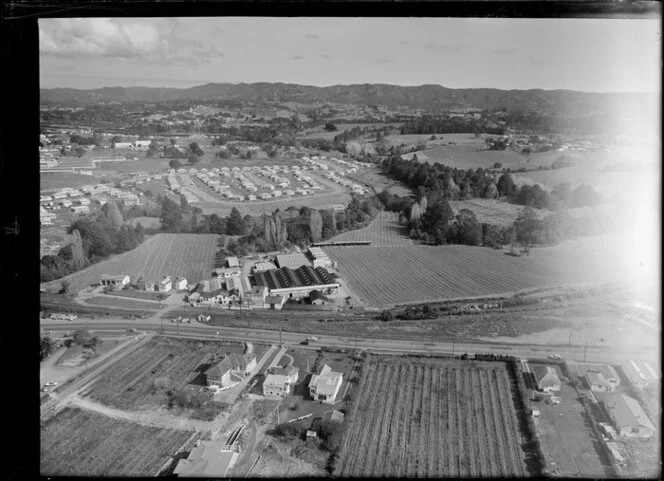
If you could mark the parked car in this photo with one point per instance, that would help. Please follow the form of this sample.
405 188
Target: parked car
312 338
53 383
555 356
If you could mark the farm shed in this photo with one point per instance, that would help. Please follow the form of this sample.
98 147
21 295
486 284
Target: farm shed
598 383
609 377
628 416
640 373
333 416
318 299
292 261
274 302
226 272
547 378
207 459
264 266
325 386
232 261
258 294
114 281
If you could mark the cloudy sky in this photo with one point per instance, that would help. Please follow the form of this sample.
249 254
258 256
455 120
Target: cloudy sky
597 55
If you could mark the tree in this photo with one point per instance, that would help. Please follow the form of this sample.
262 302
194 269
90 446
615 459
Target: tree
46 345
112 213
468 231
527 226
64 287
415 212
223 154
175 164
330 127
235 223
171 216
506 185
193 159
81 336
195 149
315 225
93 342
436 221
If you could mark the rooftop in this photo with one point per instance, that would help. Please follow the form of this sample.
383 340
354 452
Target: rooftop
286 277
626 411
292 260
206 459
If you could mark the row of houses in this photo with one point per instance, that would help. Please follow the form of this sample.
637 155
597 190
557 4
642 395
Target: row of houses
323 387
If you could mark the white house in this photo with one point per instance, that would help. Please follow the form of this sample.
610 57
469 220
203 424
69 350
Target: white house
279 381
325 386
114 281
180 283
165 285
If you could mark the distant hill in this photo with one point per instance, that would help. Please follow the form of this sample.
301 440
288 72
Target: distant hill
429 97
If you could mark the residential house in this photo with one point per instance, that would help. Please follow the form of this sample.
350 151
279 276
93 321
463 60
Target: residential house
628 416
114 281
598 383
80 209
180 283
320 259
318 299
604 375
233 367
279 381
547 378
325 386
274 302
122 145
234 284
226 272
165 285
232 262
264 266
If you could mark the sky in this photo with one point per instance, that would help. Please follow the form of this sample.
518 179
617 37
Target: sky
591 55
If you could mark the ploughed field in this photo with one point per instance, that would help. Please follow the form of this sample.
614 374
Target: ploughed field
188 255
385 276
426 418
76 442
384 230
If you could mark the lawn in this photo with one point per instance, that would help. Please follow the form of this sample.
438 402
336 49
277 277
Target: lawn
469 158
138 294
384 230
58 180
80 443
493 211
121 303
146 222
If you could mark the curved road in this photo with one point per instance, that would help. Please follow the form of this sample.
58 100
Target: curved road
201 331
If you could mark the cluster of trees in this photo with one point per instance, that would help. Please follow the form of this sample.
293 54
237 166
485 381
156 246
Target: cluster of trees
450 125
93 240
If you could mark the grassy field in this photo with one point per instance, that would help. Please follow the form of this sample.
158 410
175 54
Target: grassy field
469 158
391 275
143 164
380 181
80 443
141 379
58 180
188 255
121 303
384 230
426 418
492 211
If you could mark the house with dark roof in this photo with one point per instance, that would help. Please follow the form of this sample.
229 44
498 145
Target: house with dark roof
547 378
233 367
628 416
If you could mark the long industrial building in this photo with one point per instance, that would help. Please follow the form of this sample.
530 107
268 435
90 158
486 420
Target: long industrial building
297 283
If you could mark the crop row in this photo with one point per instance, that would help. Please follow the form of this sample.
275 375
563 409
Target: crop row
423 420
384 230
80 443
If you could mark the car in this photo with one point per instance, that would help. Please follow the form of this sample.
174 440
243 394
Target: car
53 383
312 338
555 356
132 329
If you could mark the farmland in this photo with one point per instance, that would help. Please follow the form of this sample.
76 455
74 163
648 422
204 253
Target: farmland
188 255
140 380
104 446
433 418
469 158
58 180
384 230
380 182
384 276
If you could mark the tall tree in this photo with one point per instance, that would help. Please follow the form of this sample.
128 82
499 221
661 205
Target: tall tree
235 223
112 213
506 185
315 225
171 216
436 221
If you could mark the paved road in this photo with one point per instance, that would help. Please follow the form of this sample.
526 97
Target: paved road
200 331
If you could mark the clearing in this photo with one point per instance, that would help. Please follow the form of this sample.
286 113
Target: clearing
384 230
188 255
493 211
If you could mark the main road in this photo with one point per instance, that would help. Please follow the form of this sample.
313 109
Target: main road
372 344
